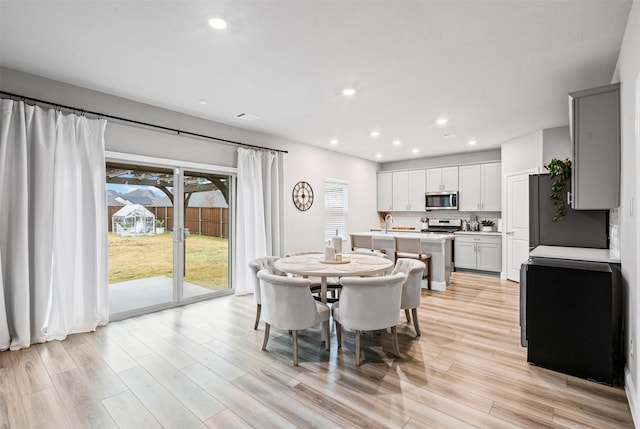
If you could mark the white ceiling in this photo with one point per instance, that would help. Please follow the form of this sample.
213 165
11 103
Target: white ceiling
497 69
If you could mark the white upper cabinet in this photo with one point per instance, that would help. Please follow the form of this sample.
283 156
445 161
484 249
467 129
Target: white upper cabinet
469 198
480 187
385 191
408 190
400 191
416 191
442 179
491 181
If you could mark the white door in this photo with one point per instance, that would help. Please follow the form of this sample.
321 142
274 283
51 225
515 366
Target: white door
517 223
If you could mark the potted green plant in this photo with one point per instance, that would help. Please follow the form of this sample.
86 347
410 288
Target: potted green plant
159 226
487 225
561 171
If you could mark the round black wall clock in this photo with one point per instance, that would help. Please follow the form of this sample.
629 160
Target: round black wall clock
302 196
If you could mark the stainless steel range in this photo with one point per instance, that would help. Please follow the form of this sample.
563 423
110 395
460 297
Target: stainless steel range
443 226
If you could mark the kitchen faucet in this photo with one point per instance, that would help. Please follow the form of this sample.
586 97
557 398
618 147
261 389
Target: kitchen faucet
388 218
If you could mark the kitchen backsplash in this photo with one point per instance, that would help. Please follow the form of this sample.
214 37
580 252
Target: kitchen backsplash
412 219
614 229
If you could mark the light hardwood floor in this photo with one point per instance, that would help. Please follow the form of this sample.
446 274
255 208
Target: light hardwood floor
202 366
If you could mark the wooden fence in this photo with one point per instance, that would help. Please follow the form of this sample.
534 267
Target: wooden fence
211 221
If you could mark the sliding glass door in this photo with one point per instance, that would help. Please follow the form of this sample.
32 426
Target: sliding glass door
168 237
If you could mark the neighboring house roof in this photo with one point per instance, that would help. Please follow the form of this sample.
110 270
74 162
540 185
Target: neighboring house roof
139 196
151 199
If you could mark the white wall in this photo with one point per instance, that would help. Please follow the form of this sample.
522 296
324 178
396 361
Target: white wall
303 230
628 74
521 154
556 143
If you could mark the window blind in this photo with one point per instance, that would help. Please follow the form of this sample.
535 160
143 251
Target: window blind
336 209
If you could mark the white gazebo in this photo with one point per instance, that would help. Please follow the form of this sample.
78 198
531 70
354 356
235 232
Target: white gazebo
133 219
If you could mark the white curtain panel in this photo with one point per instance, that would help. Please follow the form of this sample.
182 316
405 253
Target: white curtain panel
53 238
260 207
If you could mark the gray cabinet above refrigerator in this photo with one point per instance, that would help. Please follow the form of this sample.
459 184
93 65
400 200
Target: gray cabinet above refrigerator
595 142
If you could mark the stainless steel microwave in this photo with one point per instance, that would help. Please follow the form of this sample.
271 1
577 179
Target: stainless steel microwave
441 201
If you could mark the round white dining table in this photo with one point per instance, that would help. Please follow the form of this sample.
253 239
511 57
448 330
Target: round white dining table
353 264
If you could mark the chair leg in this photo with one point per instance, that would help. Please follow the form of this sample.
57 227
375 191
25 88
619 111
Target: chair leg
357 348
406 313
414 311
327 338
339 334
394 340
258 311
295 348
266 335
429 274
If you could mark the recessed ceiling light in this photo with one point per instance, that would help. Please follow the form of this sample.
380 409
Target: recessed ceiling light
334 141
397 142
442 121
472 142
375 134
348 92
378 155
415 150
202 101
217 23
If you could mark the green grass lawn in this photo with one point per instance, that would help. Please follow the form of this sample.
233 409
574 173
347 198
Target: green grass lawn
207 259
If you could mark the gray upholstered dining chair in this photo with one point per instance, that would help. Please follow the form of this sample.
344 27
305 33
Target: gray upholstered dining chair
411 288
266 262
411 247
287 303
369 304
363 243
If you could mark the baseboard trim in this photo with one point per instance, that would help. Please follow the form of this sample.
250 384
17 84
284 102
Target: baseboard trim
630 390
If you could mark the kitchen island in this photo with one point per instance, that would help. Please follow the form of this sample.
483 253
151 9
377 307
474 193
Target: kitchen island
438 245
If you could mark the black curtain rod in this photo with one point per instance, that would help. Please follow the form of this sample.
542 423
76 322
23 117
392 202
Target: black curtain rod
133 121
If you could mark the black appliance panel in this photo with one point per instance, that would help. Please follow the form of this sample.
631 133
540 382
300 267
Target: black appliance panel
573 318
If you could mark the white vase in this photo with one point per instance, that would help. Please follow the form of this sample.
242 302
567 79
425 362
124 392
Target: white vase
159 230
486 228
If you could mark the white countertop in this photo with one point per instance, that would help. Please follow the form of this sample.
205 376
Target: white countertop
478 232
576 254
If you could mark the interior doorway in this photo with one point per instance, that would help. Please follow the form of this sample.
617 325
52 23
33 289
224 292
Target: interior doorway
517 223
169 236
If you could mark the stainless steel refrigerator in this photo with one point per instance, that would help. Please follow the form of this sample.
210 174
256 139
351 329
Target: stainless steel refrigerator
570 314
